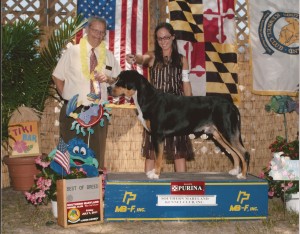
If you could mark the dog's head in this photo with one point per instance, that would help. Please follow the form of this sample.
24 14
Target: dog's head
126 84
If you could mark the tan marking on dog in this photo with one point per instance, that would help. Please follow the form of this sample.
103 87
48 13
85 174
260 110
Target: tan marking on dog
118 91
148 125
236 155
129 93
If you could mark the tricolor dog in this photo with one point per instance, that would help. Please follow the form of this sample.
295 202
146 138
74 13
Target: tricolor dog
165 115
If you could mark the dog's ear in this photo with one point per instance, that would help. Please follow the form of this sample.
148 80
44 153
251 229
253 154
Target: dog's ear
127 79
121 79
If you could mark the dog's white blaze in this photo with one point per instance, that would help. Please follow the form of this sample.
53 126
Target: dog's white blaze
140 114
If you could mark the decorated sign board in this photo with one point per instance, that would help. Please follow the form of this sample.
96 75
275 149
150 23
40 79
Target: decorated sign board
79 201
24 139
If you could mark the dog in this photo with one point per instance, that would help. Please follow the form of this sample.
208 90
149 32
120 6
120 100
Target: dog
164 114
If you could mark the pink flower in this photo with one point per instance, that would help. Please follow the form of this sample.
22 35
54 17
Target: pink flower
81 170
20 146
27 195
39 161
261 175
31 197
48 183
285 173
286 187
271 193
35 197
43 184
40 194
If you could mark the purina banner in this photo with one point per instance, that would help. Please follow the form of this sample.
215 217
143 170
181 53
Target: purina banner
274 41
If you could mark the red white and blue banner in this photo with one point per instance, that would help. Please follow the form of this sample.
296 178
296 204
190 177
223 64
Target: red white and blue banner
206 34
274 40
127 24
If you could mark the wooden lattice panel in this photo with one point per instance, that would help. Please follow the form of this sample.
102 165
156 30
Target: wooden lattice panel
60 11
21 10
47 13
241 25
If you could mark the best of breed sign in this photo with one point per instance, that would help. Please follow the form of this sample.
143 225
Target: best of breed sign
24 139
79 201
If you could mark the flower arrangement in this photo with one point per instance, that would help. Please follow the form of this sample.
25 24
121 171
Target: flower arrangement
290 149
281 177
281 173
277 188
44 188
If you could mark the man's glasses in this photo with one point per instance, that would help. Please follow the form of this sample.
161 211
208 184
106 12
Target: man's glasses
164 38
98 31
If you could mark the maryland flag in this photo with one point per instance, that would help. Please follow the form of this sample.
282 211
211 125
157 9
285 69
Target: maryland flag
205 30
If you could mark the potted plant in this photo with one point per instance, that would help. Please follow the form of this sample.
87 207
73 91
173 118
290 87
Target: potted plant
277 168
27 67
26 74
282 172
44 189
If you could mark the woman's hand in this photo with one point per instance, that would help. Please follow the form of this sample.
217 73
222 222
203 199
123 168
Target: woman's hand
130 58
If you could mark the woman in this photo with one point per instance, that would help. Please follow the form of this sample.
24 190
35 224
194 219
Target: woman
169 73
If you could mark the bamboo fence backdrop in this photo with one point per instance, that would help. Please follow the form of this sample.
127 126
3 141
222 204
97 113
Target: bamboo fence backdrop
259 128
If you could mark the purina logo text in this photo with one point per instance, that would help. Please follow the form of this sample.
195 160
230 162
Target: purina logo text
188 188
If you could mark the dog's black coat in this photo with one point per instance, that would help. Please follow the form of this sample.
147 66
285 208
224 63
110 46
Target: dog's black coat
179 115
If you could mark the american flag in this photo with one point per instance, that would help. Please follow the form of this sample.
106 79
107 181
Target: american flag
62 156
127 25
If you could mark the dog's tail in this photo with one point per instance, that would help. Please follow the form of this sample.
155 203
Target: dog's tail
238 121
247 159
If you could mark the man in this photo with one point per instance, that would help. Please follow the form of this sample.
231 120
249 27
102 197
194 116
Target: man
87 67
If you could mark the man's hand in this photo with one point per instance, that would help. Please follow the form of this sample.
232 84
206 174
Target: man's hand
101 77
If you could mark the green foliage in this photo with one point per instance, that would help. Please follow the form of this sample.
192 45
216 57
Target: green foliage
58 40
24 78
27 68
290 149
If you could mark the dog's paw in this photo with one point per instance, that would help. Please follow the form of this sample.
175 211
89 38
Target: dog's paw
235 171
240 176
151 174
